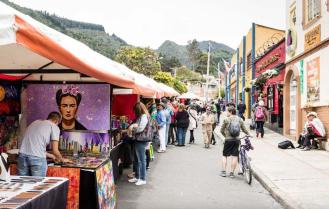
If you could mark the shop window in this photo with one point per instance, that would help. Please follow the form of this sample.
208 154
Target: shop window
270 98
249 61
311 12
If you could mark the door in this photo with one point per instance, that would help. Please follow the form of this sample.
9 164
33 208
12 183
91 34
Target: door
293 109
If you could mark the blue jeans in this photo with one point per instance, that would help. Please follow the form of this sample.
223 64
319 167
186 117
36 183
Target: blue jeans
140 149
29 165
181 133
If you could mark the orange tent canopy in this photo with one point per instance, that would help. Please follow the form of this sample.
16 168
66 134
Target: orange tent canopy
33 49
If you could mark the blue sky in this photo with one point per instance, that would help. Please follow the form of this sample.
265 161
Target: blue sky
151 22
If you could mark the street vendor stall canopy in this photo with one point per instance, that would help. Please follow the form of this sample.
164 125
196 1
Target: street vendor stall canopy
30 50
189 95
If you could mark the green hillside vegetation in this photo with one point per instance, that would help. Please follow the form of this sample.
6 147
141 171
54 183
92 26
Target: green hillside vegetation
218 52
93 35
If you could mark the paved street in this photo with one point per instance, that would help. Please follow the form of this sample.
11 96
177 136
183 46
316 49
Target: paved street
188 178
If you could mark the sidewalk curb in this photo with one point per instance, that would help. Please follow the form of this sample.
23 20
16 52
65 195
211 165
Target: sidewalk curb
275 192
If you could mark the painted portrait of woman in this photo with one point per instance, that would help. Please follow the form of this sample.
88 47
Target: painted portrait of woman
68 100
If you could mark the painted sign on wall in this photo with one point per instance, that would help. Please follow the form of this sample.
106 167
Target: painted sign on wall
312 38
83 106
313 80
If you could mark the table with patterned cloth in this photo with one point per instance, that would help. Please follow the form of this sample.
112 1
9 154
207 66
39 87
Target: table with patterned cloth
23 192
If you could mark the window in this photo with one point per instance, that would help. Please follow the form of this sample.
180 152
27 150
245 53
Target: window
312 12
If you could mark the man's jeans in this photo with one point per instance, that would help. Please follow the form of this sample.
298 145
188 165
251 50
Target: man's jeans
31 165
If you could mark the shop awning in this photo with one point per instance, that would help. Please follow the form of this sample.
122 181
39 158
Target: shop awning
168 91
30 50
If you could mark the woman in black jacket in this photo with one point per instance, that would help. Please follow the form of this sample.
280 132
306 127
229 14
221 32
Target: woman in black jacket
182 122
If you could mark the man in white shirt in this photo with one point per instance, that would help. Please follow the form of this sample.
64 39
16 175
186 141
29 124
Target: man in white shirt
32 154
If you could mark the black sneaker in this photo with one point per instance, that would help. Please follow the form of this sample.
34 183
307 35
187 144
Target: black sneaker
223 174
231 175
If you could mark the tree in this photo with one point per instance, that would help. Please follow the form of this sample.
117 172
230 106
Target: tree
193 52
141 60
166 78
185 74
179 86
169 63
201 66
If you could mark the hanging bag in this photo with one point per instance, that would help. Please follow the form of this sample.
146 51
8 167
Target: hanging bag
146 135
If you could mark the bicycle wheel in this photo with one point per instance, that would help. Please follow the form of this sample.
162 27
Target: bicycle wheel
247 171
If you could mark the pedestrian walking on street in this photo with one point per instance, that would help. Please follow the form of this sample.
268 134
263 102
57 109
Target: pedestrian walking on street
193 122
207 121
161 120
182 123
219 109
231 131
313 128
241 109
260 118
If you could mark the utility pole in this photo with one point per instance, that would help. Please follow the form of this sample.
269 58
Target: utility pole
219 80
207 78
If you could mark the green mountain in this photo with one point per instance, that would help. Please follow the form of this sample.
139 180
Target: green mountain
219 51
93 35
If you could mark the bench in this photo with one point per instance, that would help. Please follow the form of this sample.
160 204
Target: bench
320 141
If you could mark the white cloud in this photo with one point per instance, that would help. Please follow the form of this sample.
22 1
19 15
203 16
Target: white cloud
150 22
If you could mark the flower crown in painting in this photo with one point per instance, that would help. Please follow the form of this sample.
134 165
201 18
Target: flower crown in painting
70 89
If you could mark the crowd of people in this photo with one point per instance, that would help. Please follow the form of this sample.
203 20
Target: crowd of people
170 119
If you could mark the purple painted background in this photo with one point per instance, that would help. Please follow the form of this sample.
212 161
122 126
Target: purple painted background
93 110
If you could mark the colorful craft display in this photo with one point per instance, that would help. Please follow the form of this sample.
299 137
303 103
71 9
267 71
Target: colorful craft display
105 187
8 132
85 142
73 174
120 122
85 162
10 98
20 190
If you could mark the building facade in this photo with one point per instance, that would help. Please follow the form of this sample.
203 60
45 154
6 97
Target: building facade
307 64
243 69
270 71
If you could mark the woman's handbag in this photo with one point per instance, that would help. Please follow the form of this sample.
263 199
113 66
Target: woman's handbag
146 135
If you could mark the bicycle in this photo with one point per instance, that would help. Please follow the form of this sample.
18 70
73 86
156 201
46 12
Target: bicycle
244 160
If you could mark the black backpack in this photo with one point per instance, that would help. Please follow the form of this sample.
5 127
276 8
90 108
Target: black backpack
286 144
234 127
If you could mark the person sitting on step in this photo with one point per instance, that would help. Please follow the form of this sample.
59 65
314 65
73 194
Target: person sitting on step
313 128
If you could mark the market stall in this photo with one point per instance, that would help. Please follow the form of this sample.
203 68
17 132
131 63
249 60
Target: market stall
39 67
33 192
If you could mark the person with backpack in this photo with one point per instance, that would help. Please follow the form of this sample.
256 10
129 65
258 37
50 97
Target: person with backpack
207 121
231 131
260 118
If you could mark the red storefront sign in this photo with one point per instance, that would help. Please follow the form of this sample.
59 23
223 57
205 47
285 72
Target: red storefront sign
271 60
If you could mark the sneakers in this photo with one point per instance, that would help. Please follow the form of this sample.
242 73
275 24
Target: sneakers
133 180
223 174
231 175
301 147
307 149
140 182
